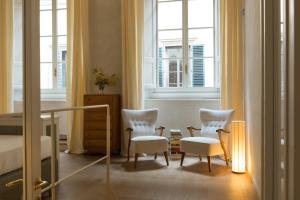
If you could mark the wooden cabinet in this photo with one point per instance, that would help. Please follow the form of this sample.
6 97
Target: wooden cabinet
95 123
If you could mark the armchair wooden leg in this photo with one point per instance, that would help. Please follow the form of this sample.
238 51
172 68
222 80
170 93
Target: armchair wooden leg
128 150
155 156
209 163
182 158
225 153
226 160
135 159
200 157
224 149
166 156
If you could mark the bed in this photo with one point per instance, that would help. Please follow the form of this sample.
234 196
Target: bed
11 159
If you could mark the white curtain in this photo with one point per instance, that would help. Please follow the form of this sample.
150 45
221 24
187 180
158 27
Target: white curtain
232 56
6 55
132 57
232 59
77 62
132 53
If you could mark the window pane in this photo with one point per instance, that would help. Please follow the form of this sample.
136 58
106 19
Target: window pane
46 23
170 56
46 49
171 40
46 76
201 13
170 15
61 3
175 72
61 58
170 72
62 22
61 48
45 4
61 75
201 39
202 72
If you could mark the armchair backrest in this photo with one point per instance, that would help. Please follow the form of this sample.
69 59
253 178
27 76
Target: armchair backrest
141 121
213 120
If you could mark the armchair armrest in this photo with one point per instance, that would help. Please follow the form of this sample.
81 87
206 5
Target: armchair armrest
191 128
129 129
161 128
222 131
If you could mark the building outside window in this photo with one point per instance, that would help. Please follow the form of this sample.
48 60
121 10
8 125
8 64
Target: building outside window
188 44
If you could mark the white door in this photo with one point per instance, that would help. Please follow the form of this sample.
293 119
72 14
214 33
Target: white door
32 124
22 131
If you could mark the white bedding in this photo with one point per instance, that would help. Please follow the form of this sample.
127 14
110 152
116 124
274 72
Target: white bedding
11 154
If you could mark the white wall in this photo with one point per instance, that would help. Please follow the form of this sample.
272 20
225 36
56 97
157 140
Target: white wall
105 41
178 114
253 90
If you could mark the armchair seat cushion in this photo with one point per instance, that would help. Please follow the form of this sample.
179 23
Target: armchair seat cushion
149 144
207 146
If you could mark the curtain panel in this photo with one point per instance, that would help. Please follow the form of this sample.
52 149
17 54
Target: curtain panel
132 53
232 56
132 58
6 55
232 59
77 62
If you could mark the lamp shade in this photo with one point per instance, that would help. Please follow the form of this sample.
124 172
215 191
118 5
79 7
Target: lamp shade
238 147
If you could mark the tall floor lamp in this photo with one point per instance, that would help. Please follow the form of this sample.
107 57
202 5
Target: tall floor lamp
238 147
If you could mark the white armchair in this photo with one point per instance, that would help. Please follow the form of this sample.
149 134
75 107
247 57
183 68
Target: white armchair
142 137
214 133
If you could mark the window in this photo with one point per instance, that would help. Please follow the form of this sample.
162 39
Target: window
53 47
187 44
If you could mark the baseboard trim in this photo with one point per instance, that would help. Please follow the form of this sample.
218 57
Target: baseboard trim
258 190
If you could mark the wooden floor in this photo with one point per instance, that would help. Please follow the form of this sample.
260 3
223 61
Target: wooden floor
153 180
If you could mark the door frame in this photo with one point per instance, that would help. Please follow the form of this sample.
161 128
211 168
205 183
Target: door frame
271 80
31 103
293 99
268 103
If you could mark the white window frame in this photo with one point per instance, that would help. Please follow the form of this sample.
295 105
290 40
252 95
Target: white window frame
54 94
186 91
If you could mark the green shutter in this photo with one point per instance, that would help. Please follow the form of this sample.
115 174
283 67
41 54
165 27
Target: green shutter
160 67
198 66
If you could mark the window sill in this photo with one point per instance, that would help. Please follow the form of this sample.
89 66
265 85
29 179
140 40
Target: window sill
53 97
183 94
